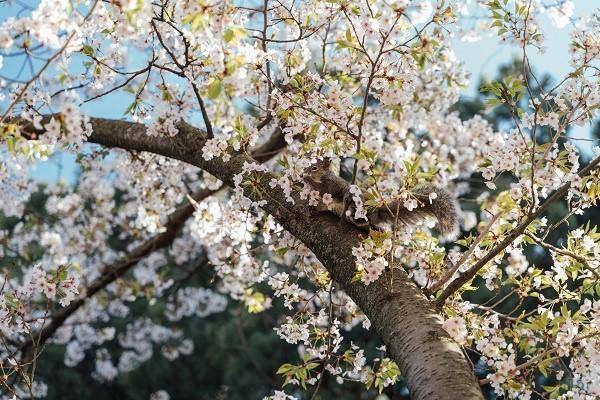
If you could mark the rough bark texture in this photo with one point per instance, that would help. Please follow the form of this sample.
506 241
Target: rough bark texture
431 362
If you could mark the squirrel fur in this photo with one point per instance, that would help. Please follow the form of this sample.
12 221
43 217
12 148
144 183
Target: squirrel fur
443 208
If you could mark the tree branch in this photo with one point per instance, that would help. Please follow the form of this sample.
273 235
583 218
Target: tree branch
112 272
406 321
453 268
518 231
175 222
565 252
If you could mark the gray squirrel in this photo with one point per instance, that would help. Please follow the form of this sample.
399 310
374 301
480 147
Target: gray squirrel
443 208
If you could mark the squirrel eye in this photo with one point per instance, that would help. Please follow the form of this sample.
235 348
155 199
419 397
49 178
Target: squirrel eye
314 168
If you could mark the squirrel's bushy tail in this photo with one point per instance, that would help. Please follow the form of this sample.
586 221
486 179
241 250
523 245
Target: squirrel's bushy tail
444 208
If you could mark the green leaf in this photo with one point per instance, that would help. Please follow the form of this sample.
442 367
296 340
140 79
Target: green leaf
343 44
281 251
285 368
228 35
62 276
10 142
88 50
130 108
358 276
196 21
214 89
11 300
543 369
312 365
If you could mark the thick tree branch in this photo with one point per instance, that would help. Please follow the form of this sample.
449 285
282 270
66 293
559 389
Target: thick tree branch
406 321
175 222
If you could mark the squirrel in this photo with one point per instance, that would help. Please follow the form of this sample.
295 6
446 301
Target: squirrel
443 208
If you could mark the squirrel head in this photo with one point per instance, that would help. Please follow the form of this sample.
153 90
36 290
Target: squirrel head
317 170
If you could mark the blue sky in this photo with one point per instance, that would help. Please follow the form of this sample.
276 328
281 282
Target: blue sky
481 58
484 57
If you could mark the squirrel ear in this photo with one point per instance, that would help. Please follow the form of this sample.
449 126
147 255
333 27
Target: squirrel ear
326 162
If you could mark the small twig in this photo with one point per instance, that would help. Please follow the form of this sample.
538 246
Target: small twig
565 252
44 67
450 273
542 355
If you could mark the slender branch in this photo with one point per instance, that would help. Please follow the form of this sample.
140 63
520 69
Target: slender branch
112 272
363 111
207 123
450 273
205 117
117 87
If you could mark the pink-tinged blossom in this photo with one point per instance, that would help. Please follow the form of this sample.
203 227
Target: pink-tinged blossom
456 329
